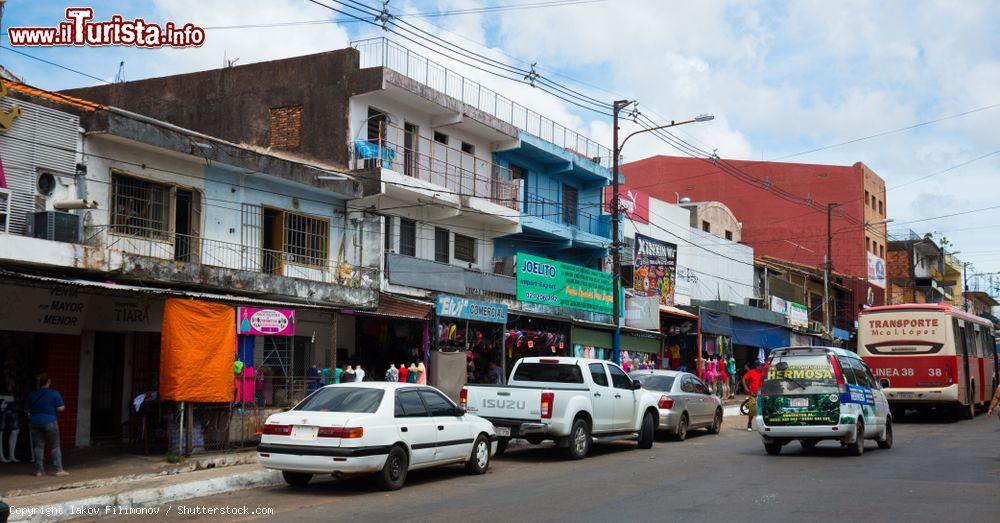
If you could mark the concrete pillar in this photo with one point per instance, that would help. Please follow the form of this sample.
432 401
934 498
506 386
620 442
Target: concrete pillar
85 390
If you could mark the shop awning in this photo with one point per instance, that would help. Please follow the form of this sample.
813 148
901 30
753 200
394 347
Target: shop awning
640 340
674 311
715 322
757 334
390 306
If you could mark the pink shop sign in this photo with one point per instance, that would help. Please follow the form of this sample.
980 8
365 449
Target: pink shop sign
254 321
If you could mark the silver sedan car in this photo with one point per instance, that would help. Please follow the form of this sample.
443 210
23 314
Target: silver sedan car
685 401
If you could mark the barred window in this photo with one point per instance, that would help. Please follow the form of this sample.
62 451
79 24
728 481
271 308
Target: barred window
307 239
465 248
140 207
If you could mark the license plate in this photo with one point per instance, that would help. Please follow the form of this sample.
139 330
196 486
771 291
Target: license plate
800 402
304 432
503 432
904 395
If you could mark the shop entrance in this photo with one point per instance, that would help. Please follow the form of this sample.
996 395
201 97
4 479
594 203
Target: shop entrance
381 342
106 392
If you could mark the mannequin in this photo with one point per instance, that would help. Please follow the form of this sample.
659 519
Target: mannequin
8 418
359 373
411 377
392 375
403 373
348 376
421 373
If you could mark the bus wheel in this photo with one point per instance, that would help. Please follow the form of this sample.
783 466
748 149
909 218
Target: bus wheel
967 411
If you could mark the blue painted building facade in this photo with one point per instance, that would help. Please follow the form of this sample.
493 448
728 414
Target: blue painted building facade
561 196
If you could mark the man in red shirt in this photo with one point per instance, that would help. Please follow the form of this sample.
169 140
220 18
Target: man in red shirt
751 383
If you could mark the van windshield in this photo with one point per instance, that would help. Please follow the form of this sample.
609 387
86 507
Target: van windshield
799 374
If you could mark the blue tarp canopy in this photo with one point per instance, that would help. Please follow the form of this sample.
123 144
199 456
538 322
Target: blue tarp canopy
757 334
841 334
715 322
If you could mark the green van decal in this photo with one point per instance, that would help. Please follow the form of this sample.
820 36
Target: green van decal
806 409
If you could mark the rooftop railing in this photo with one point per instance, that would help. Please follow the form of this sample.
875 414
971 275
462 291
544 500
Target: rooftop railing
382 52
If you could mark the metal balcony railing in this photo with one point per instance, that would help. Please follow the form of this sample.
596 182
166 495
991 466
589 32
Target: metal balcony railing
553 211
205 251
904 235
419 157
382 52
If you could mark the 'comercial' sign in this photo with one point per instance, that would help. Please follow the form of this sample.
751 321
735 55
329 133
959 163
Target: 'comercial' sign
559 284
254 321
466 309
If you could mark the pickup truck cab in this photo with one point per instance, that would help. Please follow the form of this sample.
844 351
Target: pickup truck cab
572 401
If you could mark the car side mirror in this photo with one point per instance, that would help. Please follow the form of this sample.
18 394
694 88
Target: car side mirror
458 410
883 383
636 385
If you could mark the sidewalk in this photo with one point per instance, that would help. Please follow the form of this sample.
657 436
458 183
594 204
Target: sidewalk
131 480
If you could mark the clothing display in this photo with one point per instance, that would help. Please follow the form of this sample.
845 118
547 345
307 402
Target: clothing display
392 374
359 374
8 421
482 343
403 374
421 374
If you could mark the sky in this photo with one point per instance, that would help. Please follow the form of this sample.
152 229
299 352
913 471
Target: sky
781 78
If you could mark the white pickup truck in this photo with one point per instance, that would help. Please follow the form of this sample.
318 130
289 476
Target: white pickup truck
569 400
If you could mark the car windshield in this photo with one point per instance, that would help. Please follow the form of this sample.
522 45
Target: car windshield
657 382
548 372
809 373
342 399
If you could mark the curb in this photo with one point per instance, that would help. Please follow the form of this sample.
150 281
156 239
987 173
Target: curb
94 506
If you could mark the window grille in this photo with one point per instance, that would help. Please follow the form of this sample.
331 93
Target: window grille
140 207
465 248
307 239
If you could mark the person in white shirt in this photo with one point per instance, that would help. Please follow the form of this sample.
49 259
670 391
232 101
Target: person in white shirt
359 374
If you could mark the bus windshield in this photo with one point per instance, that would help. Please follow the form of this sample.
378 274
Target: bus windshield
810 373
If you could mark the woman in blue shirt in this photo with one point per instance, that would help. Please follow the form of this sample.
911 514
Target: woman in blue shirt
42 405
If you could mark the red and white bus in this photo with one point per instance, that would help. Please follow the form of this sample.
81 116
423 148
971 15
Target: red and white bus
928 355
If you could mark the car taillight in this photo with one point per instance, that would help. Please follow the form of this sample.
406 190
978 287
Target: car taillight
277 430
340 432
666 402
838 373
463 397
547 399
548 361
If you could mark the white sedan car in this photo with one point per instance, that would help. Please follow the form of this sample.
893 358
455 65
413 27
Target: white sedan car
376 428
685 401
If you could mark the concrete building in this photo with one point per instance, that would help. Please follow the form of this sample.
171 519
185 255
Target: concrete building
916 271
110 214
715 218
782 208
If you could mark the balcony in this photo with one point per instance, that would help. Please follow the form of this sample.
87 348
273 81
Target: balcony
580 229
178 258
382 52
443 277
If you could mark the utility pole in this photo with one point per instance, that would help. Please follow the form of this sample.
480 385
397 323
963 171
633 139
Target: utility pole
828 266
616 257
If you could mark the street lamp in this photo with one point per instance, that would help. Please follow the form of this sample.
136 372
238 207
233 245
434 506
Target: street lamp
616 260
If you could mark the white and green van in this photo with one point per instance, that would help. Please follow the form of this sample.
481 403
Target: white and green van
812 394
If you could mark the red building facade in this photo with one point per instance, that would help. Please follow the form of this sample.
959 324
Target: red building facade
776 221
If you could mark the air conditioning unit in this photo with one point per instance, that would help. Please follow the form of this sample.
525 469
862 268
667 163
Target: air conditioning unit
54 225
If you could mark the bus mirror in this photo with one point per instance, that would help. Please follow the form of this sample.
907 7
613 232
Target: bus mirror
883 383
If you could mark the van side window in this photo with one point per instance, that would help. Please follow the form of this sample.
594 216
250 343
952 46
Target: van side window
849 375
864 377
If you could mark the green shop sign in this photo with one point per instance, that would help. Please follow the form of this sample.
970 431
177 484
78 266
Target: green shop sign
549 282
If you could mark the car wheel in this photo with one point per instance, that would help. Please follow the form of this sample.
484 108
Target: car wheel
479 461
716 426
393 473
773 449
886 441
682 428
296 479
502 445
646 432
579 440
858 447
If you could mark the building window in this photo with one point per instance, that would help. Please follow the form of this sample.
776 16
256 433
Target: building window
881 251
705 226
442 245
868 244
307 239
729 235
468 148
407 237
140 207
465 248
518 173
4 210
440 137
569 206
285 125
388 233
881 211
868 197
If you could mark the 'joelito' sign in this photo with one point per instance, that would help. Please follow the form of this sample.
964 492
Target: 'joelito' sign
466 309
559 284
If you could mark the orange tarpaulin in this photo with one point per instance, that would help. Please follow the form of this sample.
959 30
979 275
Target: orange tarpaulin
198 348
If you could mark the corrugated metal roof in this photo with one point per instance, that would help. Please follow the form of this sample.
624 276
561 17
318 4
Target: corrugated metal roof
390 306
79 103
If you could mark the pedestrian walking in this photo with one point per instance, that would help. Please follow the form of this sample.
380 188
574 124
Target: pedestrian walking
731 371
42 405
723 379
994 401
751 383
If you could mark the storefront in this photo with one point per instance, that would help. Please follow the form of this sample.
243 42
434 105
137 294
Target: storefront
754 340
593 340
469 343
639 349
716 335
536 334
397 333
681 338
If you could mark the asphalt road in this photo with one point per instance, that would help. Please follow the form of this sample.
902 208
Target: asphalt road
937 471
